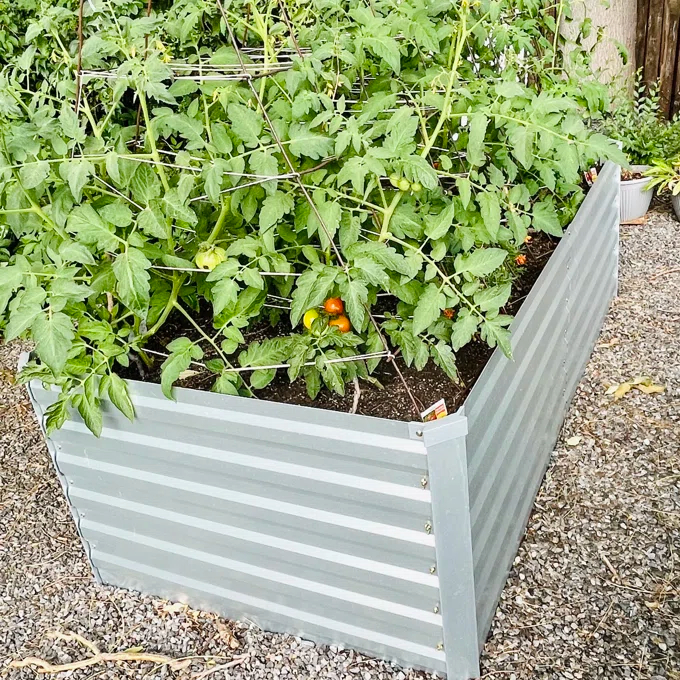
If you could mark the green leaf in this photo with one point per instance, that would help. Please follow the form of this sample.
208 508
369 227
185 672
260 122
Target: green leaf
112 166
53 335
428 309
273 209
24 309
521 140
417 169
246 124
117 213
90 411
303 142
91 229
76 173
145 184
120 396
175 208
70 124
182 352
494 333
330 213
464 190
226 383
439 225
463 329
491 212
152 222
265 163
71 251
445 358
386 48
311 290
480 262
133 280
224 293
544 218
493 298
260 379
355 295
475 146
33 174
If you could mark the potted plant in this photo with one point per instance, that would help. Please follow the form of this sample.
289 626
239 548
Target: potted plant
643 134
665 176
250 198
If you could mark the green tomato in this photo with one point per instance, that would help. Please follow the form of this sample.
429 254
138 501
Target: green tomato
416 187
209 259
404 184
394 180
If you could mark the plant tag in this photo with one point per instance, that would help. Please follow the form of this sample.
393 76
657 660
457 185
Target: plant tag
435 412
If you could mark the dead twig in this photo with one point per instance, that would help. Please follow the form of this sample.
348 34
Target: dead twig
43 666
663 272
236 661
357 396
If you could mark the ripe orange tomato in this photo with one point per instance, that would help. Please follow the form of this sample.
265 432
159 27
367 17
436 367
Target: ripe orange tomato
521 260
342 324
334 306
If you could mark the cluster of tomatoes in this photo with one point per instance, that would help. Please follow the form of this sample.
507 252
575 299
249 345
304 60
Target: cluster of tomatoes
335 308
403 184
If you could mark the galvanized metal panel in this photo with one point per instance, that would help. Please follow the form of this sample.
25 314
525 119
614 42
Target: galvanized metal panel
299 519
451 524
516 409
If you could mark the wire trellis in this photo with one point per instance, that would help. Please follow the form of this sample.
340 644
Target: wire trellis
251 64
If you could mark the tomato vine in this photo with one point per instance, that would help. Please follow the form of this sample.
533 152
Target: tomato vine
263 156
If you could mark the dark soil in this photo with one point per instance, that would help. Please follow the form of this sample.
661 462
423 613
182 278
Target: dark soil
627 175
390 399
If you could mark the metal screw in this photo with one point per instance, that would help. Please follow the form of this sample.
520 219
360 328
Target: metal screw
436 609
433 569
423 482
428 527
419 433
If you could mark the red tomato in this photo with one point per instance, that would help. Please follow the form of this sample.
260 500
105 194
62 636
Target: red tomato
334 306
342 323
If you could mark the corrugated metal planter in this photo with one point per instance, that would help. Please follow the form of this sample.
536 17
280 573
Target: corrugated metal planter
390 537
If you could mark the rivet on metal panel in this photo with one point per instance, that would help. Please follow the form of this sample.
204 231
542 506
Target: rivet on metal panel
419 433
423 482
435 609
433 569
440 646
428 527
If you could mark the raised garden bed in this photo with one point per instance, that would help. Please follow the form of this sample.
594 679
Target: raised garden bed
391 537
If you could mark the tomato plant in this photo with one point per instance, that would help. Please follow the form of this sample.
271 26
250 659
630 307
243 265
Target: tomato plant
228 156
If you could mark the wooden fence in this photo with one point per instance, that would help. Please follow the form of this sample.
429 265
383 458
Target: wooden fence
657 53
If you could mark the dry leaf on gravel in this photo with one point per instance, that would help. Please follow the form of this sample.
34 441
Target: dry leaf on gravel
644 384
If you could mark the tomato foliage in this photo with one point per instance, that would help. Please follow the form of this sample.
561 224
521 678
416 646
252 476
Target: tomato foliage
400 147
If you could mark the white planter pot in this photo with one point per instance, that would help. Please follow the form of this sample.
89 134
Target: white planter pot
675 200
634 199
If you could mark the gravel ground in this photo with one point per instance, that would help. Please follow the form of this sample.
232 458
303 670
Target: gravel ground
594 592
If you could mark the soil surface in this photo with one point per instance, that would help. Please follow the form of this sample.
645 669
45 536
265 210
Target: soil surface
391 398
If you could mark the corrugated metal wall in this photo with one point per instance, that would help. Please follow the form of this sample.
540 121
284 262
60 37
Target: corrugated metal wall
280 514
516 409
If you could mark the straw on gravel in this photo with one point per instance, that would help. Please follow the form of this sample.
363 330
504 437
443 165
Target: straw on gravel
594 591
